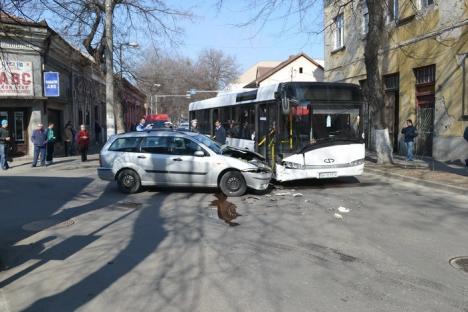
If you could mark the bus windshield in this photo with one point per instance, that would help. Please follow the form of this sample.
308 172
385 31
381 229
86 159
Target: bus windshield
311 123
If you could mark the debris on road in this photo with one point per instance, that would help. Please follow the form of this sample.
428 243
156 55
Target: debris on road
338 216
283 193
343 209
306 201
297 195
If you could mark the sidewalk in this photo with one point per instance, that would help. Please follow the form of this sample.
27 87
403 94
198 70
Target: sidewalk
448 176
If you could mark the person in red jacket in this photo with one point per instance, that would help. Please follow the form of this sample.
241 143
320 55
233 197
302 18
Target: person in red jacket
83 142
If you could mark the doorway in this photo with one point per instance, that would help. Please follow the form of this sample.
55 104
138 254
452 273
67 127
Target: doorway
425 105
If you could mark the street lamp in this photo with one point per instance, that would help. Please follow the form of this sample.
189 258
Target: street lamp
133 45
157 85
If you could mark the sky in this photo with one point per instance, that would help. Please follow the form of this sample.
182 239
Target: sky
276 40
273 39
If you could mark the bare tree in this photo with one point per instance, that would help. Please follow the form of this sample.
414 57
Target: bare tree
264 10
173 74
215 69
93 24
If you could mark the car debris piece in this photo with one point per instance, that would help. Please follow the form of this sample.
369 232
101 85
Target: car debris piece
343 209
283 193
297 195
338 216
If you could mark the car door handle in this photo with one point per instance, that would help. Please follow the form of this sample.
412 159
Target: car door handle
177 159
141 156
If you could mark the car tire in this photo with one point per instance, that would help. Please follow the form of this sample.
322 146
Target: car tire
128 181
232 183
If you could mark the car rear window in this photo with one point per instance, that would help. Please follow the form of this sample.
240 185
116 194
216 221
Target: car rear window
130 144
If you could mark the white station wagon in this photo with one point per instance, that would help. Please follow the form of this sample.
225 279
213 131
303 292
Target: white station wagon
180 158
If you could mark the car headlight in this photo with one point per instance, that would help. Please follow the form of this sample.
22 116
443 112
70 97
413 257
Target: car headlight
292 165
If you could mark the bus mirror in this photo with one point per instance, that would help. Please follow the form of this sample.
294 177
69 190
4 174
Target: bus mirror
285 105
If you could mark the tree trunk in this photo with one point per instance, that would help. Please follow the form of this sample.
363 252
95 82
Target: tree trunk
374 89
110 118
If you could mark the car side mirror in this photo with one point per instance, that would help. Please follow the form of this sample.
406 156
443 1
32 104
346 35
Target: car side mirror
199 154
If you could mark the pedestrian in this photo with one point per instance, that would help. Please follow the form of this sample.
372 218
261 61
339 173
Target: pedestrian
465 136
194 126
39 140
50 132
97 132
409 133
69 137
4 140
220 133
142 125
83 142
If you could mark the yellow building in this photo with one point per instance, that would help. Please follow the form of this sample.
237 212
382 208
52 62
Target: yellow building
424 64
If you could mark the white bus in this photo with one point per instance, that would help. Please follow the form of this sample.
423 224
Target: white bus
303 129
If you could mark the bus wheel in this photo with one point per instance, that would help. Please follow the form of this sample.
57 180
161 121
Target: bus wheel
233 184
128 181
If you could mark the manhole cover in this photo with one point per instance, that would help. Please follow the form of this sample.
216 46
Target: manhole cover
40 225
460 263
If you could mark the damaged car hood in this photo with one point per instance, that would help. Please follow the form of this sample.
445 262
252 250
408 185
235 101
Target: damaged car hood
242 154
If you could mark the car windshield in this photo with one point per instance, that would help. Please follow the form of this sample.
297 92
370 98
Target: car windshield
214 146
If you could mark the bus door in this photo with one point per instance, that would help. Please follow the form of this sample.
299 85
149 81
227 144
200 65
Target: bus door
262 130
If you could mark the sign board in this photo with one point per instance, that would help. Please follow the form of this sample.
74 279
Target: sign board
51 84
16 78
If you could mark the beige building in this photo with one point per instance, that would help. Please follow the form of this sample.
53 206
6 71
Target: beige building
424 65
299 67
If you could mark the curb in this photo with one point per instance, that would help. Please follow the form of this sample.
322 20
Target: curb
451 188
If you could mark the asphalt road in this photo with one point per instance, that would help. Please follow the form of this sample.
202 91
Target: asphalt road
70 242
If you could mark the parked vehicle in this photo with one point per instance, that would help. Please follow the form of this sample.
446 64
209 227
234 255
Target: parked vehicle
168 157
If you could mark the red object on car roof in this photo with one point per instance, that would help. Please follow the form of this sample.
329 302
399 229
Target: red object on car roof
157 117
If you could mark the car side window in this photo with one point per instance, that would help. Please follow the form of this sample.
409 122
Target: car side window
184 146
155 145
129 144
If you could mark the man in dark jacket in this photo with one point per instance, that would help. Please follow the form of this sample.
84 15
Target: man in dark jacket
39 139
410 133
465 135
220 133
4 140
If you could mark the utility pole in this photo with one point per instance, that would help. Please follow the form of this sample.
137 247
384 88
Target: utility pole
110 117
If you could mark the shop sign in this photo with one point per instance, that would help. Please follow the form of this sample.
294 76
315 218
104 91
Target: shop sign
51 84
16 78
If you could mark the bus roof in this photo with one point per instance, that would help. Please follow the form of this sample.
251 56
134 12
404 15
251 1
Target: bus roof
261 94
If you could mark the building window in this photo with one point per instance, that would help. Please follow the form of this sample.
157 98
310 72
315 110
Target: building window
300 70
426 3
391 82
19 126
425 75
393 10
339 31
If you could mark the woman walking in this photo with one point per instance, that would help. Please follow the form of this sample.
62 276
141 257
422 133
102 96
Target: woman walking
83 142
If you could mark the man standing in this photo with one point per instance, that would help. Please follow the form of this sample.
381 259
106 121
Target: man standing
141 126
39 139
194 126
410 133
220 133
465 135
68 139
50 143
4 140
83 142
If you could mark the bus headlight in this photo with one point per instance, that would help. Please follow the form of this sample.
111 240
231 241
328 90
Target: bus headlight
292 165
357 162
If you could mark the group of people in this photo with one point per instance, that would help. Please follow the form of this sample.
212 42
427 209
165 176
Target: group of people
44 142
234 131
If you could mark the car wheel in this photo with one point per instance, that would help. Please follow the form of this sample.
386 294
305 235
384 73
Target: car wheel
128 181
232 183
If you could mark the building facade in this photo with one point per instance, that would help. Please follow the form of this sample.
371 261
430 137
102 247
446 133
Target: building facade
28 50
424 67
